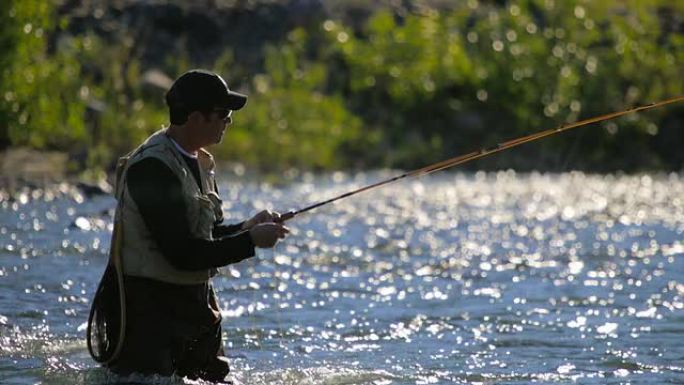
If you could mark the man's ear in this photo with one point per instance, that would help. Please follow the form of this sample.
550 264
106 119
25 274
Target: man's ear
195 116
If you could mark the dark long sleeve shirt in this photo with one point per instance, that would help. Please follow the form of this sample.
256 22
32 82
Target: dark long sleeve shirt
158 194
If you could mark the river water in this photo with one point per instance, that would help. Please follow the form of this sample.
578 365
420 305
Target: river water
496 278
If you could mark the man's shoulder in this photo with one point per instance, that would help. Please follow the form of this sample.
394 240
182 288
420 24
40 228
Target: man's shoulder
153 155
154 143
149 161
149 169
205 152
205 159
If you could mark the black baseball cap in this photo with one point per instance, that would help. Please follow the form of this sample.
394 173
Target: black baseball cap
201 90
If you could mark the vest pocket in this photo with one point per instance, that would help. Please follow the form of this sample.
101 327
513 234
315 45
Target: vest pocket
205 217
218 205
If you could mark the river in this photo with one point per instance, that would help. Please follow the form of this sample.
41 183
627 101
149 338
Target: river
489 278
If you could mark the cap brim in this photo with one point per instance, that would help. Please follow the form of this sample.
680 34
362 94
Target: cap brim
235 100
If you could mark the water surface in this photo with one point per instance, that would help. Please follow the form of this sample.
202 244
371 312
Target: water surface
497 278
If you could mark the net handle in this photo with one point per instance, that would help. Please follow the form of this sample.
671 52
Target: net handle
115 259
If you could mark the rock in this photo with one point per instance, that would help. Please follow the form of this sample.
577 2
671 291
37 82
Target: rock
102 187
157 78
32 167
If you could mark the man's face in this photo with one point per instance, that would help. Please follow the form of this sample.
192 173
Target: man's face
216 123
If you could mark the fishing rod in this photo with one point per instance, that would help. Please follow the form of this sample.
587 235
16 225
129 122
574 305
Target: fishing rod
481 153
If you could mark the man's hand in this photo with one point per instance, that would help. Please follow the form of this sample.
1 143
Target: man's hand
266 235
264 216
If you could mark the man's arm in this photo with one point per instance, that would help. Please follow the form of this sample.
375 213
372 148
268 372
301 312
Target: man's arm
221 230
158 193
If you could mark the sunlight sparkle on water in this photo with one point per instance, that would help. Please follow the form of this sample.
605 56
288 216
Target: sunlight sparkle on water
455 278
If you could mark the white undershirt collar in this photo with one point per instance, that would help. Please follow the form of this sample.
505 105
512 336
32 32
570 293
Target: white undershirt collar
182 151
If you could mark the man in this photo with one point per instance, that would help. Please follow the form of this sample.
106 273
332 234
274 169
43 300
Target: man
173 238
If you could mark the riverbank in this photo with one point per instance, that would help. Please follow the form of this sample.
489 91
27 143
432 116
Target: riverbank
29 174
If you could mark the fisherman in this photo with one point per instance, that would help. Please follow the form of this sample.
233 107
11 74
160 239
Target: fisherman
174 239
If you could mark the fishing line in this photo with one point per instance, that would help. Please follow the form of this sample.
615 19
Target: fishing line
253 276
481 153
571 153
276 303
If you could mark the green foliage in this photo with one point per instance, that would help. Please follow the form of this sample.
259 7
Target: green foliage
536 64
290 121
124 111
398 89
403 80
36 83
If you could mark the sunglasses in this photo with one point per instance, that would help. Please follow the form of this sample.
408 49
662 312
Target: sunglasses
224 114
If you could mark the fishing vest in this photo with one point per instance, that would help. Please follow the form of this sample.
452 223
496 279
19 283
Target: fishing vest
141 255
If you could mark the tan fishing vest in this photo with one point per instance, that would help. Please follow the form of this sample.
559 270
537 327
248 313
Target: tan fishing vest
141 255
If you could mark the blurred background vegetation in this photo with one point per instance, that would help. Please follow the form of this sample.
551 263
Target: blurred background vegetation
352 84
